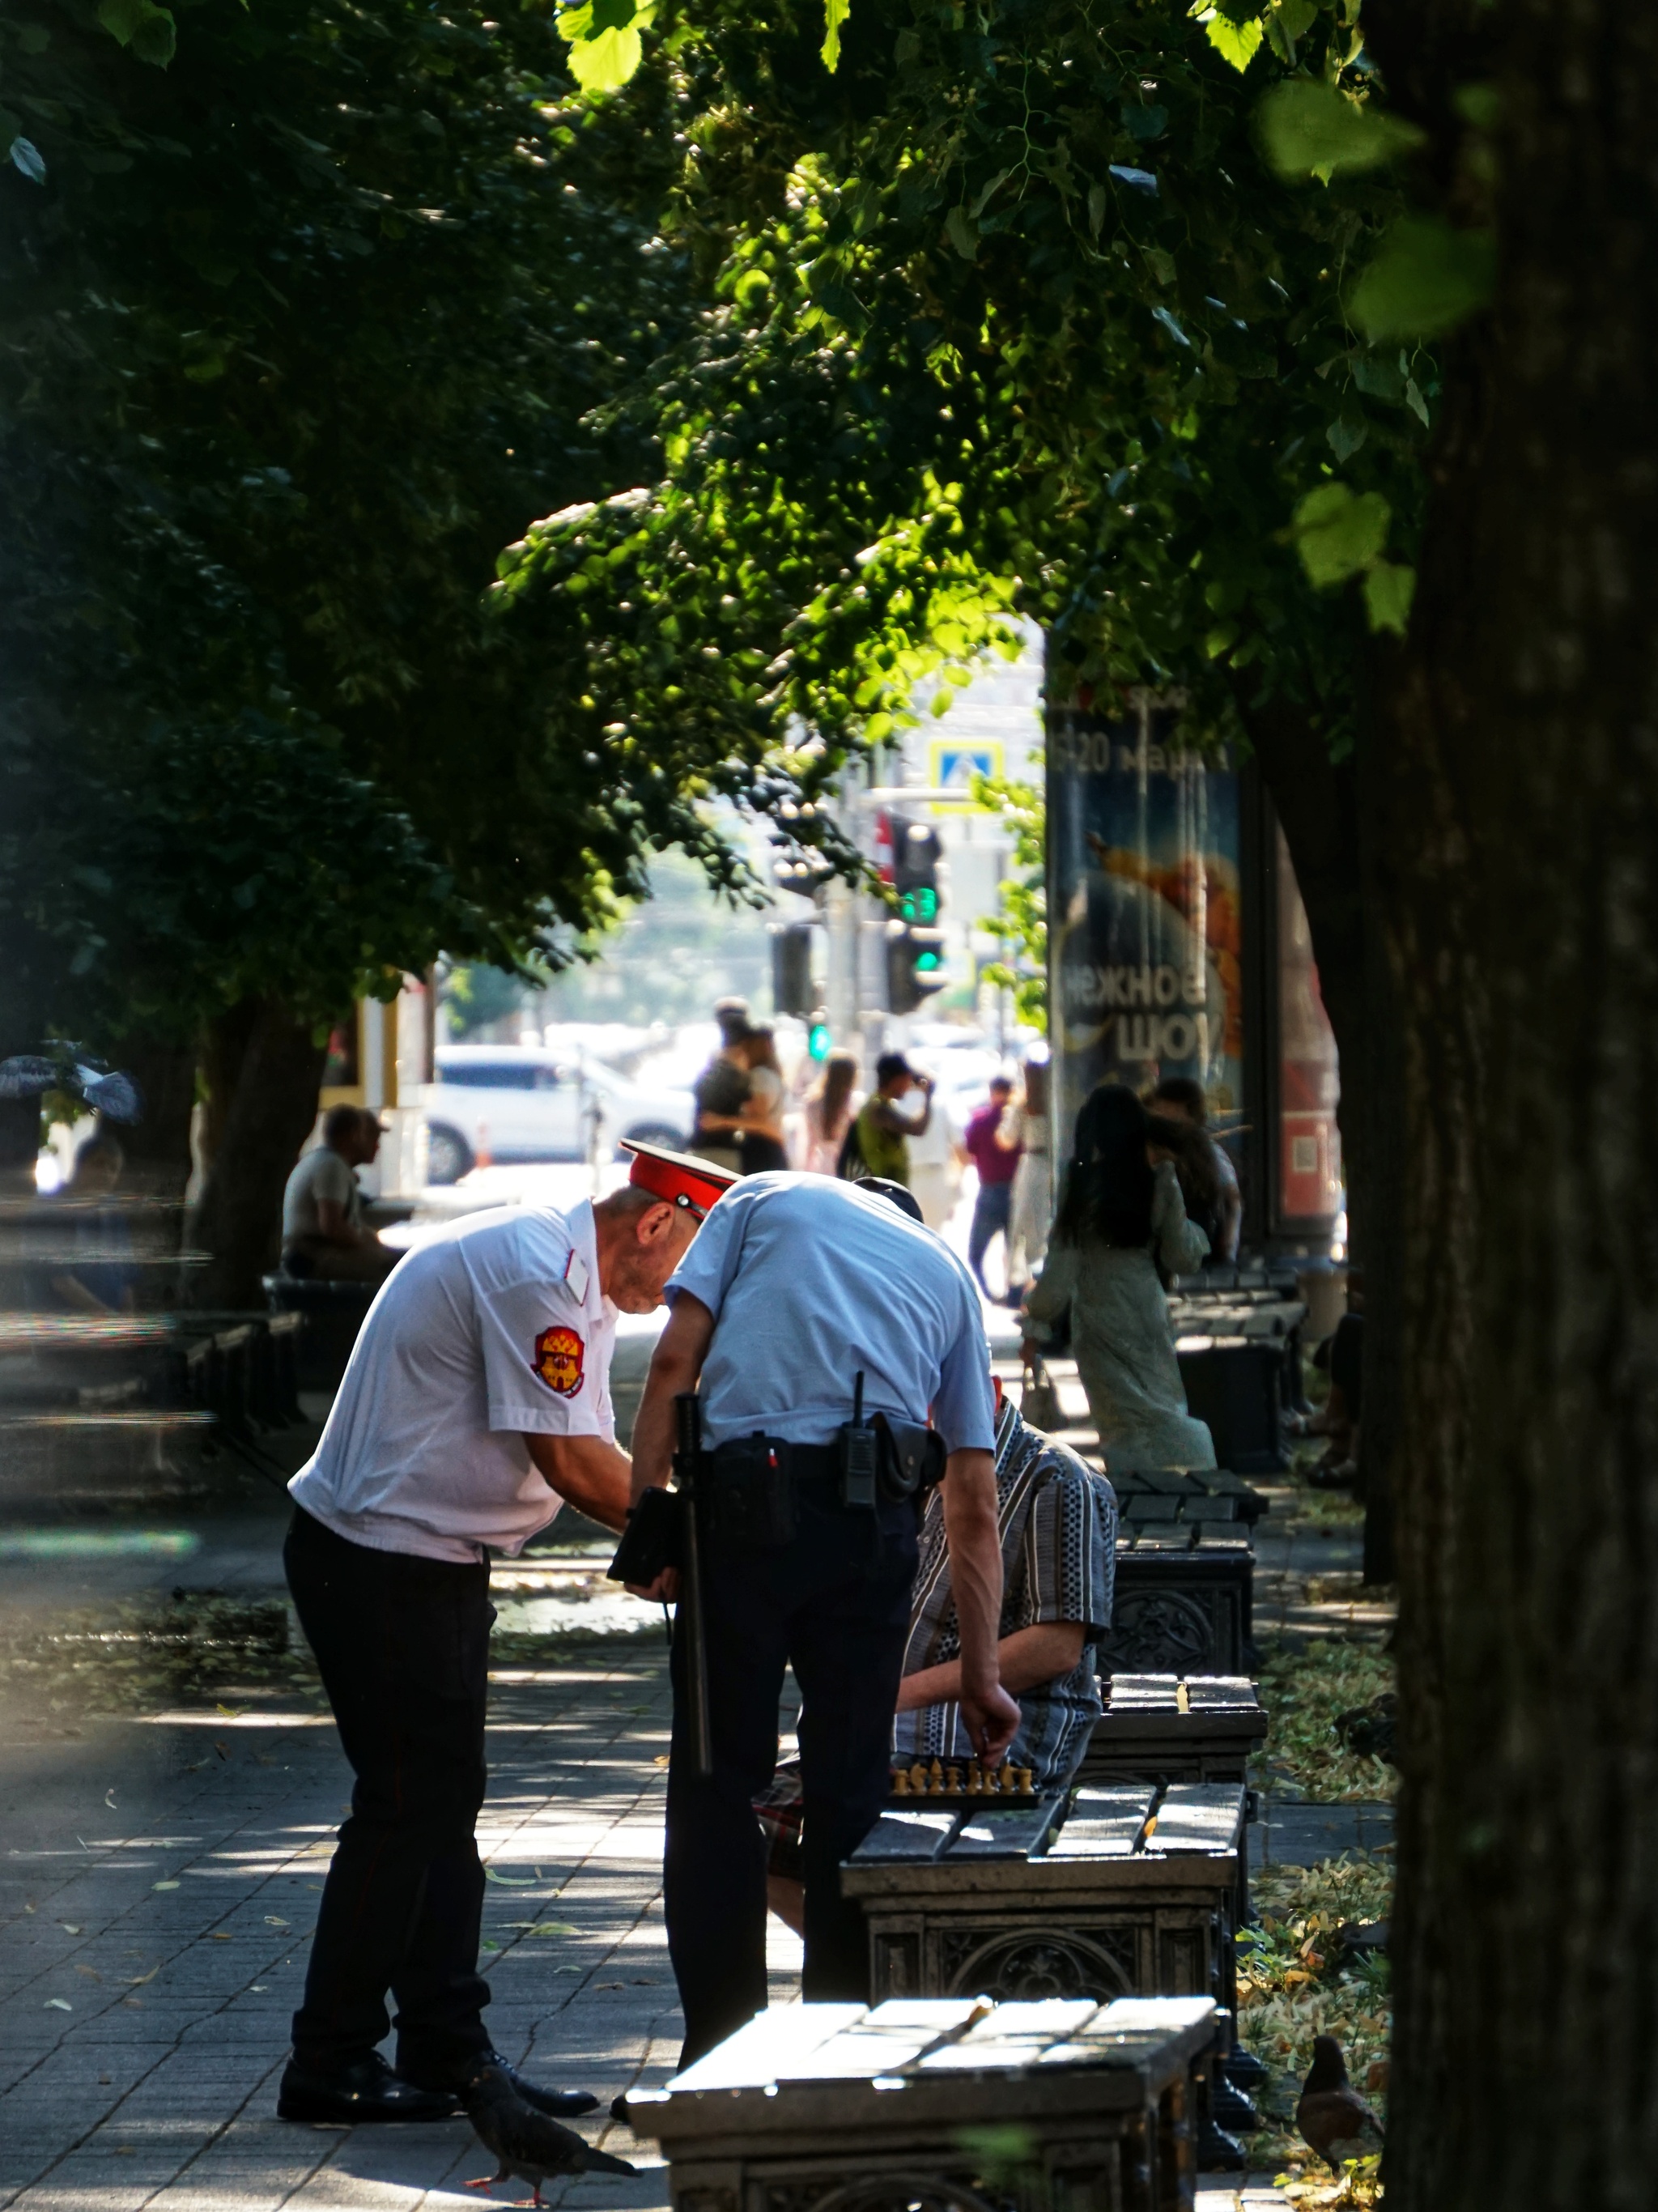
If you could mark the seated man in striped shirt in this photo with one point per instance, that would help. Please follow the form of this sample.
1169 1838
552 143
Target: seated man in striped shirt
1058 1518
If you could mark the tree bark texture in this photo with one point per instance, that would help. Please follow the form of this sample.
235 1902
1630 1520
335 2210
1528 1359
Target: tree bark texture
1517 887
264 1072
1326 809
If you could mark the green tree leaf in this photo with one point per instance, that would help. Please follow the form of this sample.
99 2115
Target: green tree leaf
1237 43
1427 278
148 30
1310 130
24 154
1340 532
835 14
962 233
1389 588
606 48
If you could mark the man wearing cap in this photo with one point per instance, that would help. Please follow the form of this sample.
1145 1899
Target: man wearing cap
475 1402
798 1286
884 1131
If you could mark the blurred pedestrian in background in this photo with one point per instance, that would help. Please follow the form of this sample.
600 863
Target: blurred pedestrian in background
323 1233
1209 1182
935 1162
994 1151
1032 1210
831 1104
1121 1217
722 1088
760 1120
878 1143
98 1275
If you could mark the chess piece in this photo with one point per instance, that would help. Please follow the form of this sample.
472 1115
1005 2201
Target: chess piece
918 1779
899 1784
952 1781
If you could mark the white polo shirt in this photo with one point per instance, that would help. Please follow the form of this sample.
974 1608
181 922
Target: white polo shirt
496 1329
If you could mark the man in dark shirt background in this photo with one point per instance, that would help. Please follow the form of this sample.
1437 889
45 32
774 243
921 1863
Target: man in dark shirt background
996 1160
722 1087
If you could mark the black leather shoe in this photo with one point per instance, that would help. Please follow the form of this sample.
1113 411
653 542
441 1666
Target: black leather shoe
557 2103
350 2096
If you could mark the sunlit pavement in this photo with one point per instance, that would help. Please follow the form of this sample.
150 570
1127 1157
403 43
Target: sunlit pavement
158 1876
157 1894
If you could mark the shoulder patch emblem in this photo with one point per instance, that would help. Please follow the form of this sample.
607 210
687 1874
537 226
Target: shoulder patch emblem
561 1357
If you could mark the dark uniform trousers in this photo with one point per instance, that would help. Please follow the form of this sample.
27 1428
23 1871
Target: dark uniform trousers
402 1646
833 1604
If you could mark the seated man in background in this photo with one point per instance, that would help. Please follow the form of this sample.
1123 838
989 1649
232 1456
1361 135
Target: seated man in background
323 1233
1058 1521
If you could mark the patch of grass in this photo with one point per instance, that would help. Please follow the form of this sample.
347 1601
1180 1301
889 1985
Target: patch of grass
1304 1686
1291 1988
140 1656
1326 1509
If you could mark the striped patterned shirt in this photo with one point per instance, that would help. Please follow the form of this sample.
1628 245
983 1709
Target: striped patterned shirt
1058 1518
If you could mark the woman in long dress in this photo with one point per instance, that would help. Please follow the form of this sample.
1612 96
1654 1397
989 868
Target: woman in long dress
1122 1216
828 1114
1024 1127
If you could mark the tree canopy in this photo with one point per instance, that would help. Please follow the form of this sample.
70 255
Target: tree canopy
308 311
1112 317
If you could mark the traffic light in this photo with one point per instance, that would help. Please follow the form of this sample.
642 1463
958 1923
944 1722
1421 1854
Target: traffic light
915 945
791 989
915 964
916 853
820 1038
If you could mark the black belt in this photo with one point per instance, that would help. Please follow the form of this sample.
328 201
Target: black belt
801 1462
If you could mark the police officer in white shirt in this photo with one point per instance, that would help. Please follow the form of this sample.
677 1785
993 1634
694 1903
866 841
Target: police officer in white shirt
798 1286
476 1399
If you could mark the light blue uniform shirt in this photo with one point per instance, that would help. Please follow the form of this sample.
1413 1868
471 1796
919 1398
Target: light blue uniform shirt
808 1281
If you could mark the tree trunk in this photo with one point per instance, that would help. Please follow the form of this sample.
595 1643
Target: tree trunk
1315 801
265 1072
1326 810
1519 898
157 1148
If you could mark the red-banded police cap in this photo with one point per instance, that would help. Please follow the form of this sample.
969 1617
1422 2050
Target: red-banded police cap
678 1178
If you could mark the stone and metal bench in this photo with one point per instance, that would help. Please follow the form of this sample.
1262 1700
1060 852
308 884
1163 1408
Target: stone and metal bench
1146 1495
1185 1599
335 1313
1167 1728
941 2106
1120 1891
1131 1889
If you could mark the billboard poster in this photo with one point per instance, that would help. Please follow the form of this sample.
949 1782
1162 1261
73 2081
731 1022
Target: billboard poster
1146 921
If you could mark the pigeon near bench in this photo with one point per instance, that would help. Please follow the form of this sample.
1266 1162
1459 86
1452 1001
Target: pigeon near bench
527 2144
1332 2116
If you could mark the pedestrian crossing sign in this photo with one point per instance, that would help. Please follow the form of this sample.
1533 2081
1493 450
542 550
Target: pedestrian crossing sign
955 765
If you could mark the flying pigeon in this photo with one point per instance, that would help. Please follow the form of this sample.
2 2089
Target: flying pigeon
111 1094
1332 2116
528 2146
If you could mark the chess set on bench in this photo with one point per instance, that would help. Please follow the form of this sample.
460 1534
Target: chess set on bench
960 1784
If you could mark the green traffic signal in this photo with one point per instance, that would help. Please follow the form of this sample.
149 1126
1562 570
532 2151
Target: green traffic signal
819 1041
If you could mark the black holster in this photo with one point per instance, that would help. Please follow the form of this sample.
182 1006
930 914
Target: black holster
749 1494
653 1539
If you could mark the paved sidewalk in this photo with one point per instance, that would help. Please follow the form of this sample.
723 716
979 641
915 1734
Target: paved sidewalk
159 1887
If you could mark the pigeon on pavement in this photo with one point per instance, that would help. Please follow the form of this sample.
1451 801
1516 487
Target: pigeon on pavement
528 2146
1332 2116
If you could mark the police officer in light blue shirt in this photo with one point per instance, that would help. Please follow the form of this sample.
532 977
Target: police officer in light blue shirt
797 1287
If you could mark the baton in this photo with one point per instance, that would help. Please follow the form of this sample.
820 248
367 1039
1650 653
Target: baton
688 1453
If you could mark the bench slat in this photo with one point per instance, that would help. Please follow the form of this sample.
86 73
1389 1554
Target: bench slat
1198 1816
884 2041
1002 1831
1104 1823
913 1835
